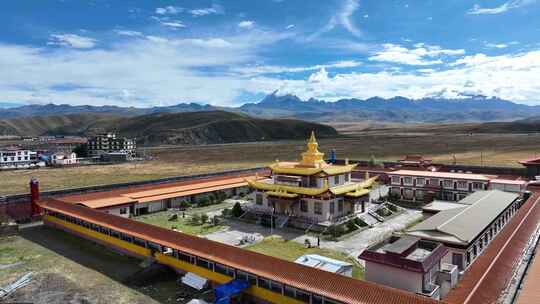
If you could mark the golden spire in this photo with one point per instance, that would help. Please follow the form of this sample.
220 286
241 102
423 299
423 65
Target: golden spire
312 157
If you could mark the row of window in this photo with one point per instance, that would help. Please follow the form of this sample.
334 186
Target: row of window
19 158
435 182
253 279
482 242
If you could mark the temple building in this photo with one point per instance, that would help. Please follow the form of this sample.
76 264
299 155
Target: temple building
311 190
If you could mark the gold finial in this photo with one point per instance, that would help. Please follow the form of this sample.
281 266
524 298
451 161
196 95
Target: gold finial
312 138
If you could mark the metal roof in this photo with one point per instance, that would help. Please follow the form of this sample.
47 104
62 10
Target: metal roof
466 223
438 174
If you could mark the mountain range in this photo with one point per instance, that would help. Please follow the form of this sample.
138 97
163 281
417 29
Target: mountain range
203 127
396 109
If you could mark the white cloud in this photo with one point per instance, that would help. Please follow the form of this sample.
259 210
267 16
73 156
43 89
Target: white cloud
509 5
72 40
422 54
512 77
169 10
343 18
272 69
496 45
290 26
246 24
215 9
134 72
173 24
128 33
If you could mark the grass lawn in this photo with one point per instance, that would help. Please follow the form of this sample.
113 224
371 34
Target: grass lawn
66 269
291 250
182 224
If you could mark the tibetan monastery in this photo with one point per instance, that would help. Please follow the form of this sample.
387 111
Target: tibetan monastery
311 189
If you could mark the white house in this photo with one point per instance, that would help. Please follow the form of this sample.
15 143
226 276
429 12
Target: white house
64 159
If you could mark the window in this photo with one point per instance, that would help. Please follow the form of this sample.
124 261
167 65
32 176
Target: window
303 206
332 208
336 180
276 287
477 186
224 270
204 263
448 183
395 180
420 181
347 177
302 296
123 210
264 283
258 199
289 291
318 208
462 184
407 180
340 206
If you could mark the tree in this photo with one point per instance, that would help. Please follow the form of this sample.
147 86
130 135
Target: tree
204 218
372 161
81 150
237 210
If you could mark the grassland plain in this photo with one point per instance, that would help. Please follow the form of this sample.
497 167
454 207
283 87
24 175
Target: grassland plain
67 269
440 144
291 250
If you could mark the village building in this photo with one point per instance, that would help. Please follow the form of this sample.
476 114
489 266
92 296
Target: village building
63 159
411 264
12 157
108 143
467 228
142 200
310 190
422 186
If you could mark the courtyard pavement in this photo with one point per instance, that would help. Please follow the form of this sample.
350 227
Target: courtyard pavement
352 246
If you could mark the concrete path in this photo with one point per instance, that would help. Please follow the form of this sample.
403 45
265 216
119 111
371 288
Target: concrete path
355 244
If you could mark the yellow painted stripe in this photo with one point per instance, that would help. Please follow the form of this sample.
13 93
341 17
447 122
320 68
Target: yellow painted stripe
255 291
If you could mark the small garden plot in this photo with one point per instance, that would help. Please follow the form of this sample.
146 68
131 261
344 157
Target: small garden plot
291 250
194 224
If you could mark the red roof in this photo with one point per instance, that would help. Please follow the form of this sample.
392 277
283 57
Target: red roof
152 192
530 161
324 283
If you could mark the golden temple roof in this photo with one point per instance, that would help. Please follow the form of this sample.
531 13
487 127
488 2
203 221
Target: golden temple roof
312 163
351 190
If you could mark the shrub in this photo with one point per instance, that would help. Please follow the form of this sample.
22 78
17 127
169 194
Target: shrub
226 212
360 222
215 220
204 218
195 219
351 225
237 210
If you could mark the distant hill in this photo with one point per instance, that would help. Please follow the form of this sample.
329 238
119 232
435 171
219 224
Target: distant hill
53 109
207 127
396 110
215 127
70 124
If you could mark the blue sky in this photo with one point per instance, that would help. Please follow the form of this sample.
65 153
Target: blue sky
151 53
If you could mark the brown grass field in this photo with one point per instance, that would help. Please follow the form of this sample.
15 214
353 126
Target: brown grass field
440 142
